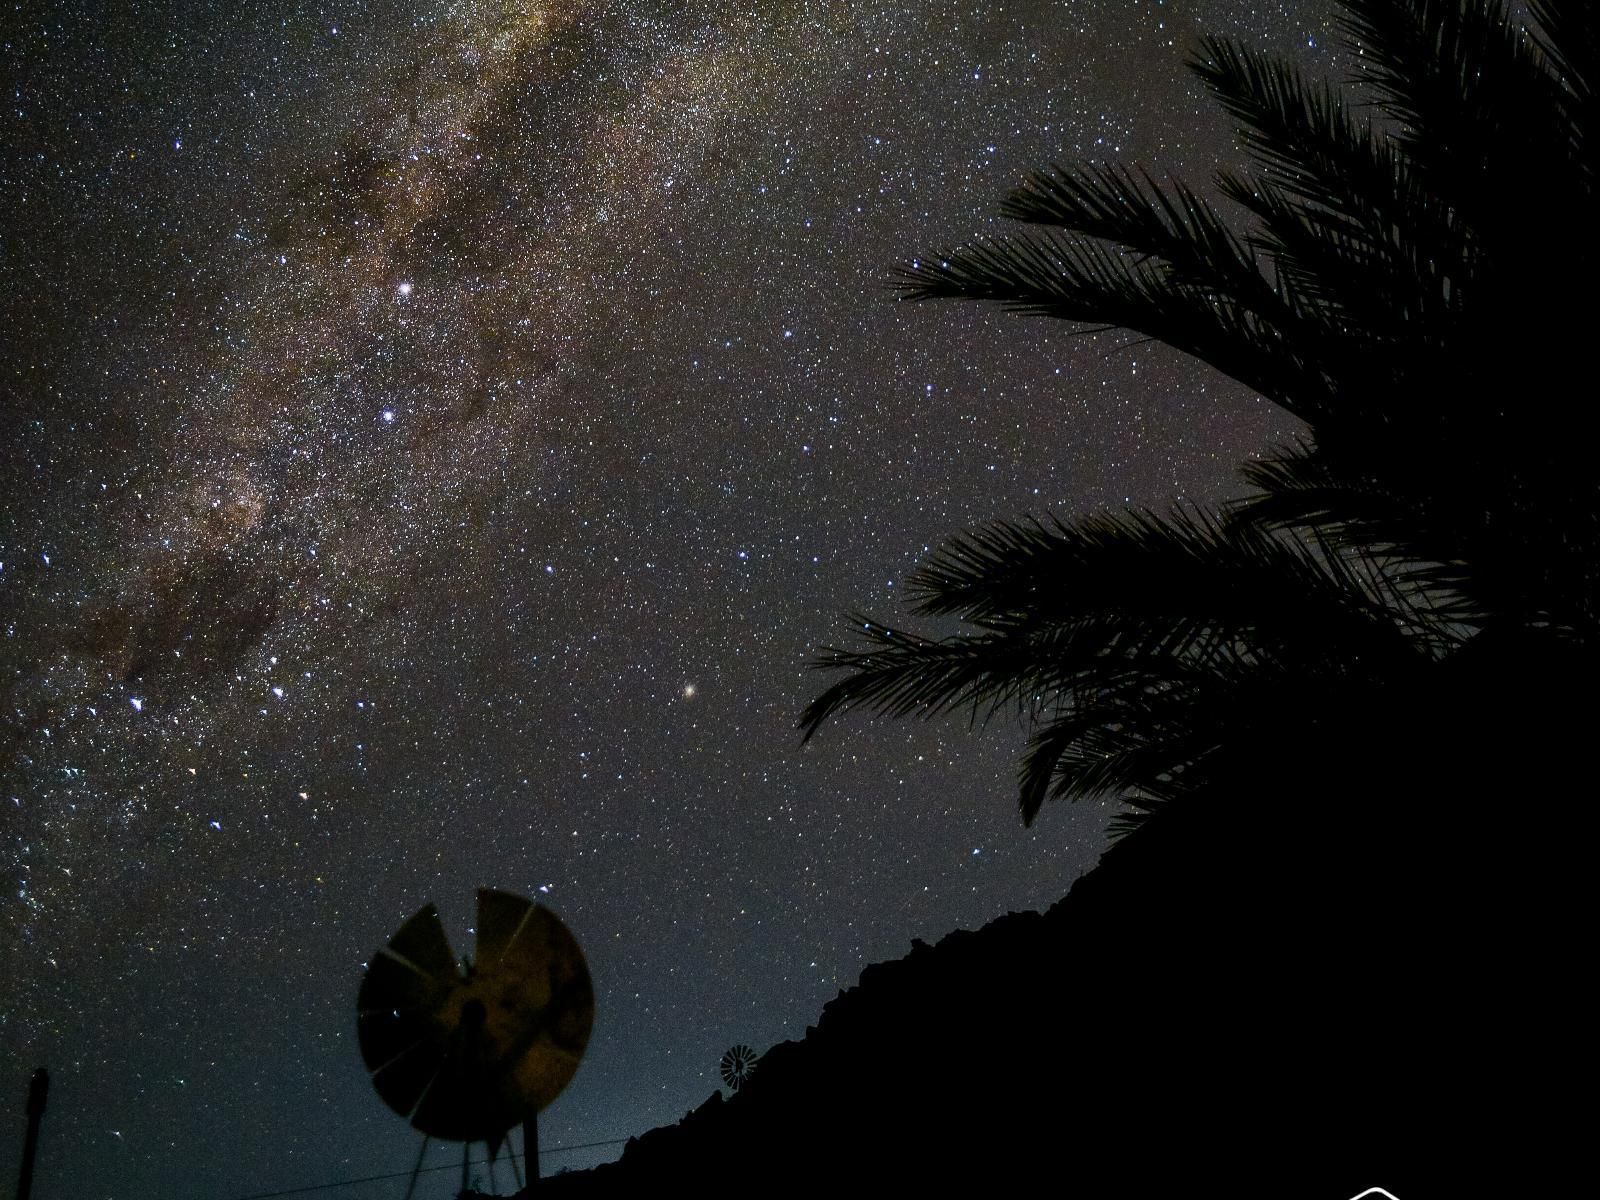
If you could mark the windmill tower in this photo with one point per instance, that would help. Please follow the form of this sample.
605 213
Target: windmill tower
468 1050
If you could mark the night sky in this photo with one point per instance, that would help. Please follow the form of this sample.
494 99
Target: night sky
436 438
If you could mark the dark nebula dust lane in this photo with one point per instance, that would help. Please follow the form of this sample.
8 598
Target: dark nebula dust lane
437 437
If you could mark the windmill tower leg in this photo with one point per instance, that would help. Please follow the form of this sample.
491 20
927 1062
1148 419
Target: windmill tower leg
38 1090
417 1170
516 1171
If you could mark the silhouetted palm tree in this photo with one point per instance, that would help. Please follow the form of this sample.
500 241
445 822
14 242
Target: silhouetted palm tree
1415 285
1139 645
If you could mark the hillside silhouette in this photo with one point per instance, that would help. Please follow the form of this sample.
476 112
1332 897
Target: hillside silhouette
1334 974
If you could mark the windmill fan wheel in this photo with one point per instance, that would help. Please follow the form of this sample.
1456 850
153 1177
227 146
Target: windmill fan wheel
467 1051
738 1064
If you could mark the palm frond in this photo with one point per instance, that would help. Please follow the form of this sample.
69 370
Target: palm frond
1357 290
1087 281
1432 65
1468 558
1033 667
1308 142
1118 749
1479 112
1129 209
1184 585
1568 35
1129 637
899 674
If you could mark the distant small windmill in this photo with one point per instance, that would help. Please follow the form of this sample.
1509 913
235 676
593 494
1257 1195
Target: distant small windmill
467 1051
737 1065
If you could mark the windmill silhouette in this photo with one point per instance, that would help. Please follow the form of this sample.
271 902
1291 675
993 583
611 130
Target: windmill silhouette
468 1050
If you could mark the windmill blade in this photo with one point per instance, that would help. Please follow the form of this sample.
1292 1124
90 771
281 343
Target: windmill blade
421 941
540 1074
396 1009
405 1080
544 1000
552 987
394 982
465 1101
400 1010
544 954
501 917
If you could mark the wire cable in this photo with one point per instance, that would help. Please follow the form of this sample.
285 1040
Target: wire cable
322 1187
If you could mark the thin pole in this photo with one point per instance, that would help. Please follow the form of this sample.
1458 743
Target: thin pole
38 1092
530 1149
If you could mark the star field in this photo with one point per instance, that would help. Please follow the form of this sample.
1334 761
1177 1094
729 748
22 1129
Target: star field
438 436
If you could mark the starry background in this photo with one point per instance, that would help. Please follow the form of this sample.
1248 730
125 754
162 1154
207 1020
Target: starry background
436 437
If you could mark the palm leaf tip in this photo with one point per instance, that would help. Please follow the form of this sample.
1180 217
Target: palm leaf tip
856 685
929 277
815 714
